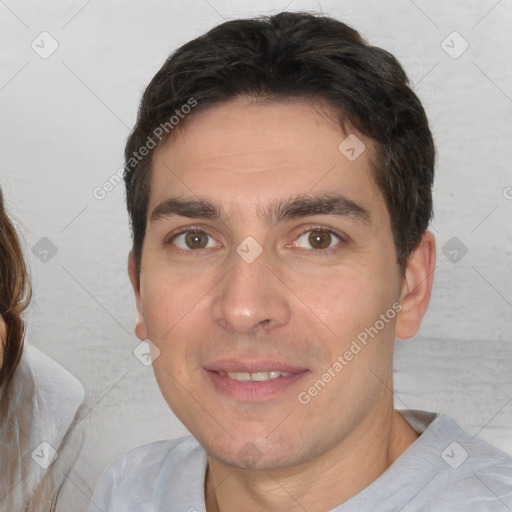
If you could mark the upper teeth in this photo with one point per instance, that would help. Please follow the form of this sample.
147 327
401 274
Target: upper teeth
257 376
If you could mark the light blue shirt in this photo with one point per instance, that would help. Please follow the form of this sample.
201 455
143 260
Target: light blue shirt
444 470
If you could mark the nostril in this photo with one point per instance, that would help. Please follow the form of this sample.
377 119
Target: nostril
264 324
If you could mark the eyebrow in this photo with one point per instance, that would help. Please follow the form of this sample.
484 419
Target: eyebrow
304 205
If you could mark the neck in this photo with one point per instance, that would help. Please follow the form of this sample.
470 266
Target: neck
316 485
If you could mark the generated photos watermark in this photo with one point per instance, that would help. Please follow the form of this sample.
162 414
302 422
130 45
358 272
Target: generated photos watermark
158 134
357 345
161 131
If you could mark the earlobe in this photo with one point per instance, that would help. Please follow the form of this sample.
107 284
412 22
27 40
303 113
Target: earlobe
140 324
416 287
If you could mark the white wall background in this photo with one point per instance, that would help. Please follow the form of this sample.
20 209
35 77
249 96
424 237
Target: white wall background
64 120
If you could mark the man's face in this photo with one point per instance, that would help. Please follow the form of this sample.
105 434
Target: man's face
322 278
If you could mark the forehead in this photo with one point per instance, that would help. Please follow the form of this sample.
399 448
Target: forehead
245 153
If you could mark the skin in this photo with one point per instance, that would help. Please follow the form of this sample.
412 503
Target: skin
291 304
3 334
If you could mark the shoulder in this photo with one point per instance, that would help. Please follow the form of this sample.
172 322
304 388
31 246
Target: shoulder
474 475
150 457
152 474
42 401
484 479
40 374
53 394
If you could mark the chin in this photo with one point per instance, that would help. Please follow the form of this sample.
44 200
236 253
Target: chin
258 454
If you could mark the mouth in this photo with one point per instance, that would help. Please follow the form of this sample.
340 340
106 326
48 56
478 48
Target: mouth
255 376
253 381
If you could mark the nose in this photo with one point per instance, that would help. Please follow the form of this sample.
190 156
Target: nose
251 297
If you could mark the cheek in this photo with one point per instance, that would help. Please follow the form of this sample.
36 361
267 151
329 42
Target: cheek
346 302
166 301
352 309
171 307
3 335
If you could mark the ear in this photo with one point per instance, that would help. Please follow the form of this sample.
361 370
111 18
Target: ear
416 287
140 323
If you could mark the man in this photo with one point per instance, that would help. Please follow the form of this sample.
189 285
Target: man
279 186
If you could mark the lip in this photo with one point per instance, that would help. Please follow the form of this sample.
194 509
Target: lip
251 391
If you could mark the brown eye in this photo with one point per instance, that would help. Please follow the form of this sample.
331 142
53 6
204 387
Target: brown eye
320 239
196 239
192 239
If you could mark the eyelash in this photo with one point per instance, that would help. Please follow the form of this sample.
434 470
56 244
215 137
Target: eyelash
324 252
319 252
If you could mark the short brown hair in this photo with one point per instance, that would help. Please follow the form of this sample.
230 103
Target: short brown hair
297 55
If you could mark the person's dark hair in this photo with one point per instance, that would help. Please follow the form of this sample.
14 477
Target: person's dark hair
15 292
296 56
